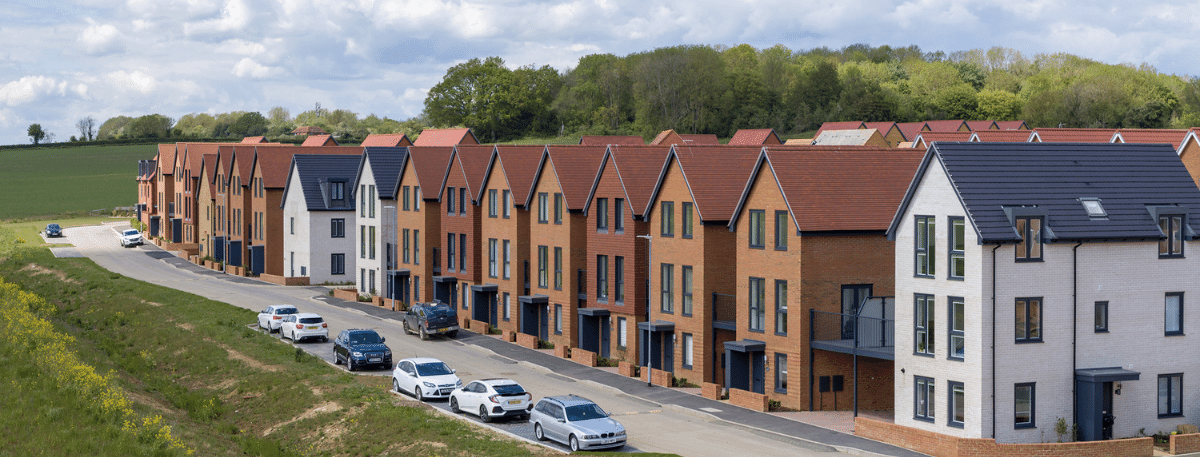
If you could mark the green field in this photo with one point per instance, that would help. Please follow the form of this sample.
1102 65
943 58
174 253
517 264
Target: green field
50 181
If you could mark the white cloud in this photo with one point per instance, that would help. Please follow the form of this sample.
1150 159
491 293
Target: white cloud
100 39
135 81
235 17
29 89
248 68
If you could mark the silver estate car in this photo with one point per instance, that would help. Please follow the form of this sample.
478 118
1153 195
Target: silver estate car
577 422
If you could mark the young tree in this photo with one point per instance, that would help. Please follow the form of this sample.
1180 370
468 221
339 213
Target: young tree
87 128
36 134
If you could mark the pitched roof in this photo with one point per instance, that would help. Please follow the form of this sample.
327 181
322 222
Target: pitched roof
945 125
982 125
254 139
386 139
276 159
666 136
994 180
856 137
799 141
308 130
883 127
1012 125
195 156
210 168
1055 135
715 175
243 158
637 168
430 164
445 137
473 160
699 138
996 136
315 171
576 168
319 140
910 130
520 165
602 140
224 161
924 138
820 183
669 137
754 137
1173 137
847 125
386 165
166 158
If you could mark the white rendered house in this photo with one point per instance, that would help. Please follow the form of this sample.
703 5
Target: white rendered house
1039 282
318 216
375 230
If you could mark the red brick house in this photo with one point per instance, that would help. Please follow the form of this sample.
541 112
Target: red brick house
693 260
460 215
206 208
319 140
754 137
163 210
811 248
445 137
419 220
504 232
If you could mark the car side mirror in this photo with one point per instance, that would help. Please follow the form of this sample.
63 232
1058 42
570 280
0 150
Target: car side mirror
382 339
562 421
453 370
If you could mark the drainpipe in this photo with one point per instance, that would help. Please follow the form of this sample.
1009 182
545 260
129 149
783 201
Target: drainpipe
1074 331
994 341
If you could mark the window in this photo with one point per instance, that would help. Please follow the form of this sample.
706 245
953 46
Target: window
602 214
1030 247
337 228
923 320
781 307
507 259
1024 403
668 219
462 201
757 313
781 230
292 225
450 194
464 288
957 260
667 281
416 288
371 201
957 337
1101 317
362 241
1029 320
924 237
557 268
404 245
1170 395
543 254
619 215
558 207
416 247
923 399
622 334
405 206
687 350
507 203
757 229
686 285
416 198
956 411
781 373
558 319
618 274
371 242
462 252
507 306
1173 314
1172 245
450 251
602 277
685 219
1093 207
337 264
543 210
493 205
492 254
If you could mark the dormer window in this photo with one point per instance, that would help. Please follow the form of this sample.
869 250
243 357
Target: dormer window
1171 226
1030 230
1093 207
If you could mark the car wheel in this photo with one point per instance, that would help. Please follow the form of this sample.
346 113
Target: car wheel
574 444
537 432
350 364
417 392
424 335
336 359
407 331
452 334
483 414
454 405
324 339
395 385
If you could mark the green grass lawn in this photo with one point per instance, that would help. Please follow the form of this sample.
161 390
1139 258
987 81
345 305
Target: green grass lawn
48 181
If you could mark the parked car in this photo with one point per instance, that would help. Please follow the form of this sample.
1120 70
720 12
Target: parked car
491 399
303 325
425 377
270 318
359 348
131 237
431 319
53 230
577 422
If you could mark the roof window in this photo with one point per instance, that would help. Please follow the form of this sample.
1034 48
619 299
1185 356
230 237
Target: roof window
1093 207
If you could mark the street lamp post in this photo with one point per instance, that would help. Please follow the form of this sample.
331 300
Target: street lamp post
649 322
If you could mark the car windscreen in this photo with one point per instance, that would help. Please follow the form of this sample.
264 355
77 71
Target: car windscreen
432 369
287 311
131 232
585 412
365 338
440 311
311 320
509 389
53 226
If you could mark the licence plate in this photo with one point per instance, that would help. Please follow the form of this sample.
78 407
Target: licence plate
312 327
514 402
610 441
375 359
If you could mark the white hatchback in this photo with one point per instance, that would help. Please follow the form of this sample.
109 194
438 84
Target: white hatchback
425 377
303 325
270 318
492 398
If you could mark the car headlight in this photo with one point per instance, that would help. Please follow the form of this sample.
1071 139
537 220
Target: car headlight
387 353
590 437
458 383
356 354
621 433
428 384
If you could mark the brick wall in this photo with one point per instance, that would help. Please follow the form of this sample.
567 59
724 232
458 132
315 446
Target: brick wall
747 399
284 281
939 445
585 357
346 294
527 340
1184 444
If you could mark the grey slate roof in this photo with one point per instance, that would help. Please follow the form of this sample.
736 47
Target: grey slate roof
316 170
1050 178
386 163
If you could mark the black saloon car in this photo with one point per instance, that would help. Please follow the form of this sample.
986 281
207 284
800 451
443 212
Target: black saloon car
361 347
431 319
53 230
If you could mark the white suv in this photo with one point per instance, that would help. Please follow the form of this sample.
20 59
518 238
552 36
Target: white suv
270 318
303 325
130 237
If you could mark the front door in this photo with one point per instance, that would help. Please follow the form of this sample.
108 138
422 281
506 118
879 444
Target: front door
1107 419
544 321
604 337
759 380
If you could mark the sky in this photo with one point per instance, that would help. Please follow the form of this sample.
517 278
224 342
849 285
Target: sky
63 60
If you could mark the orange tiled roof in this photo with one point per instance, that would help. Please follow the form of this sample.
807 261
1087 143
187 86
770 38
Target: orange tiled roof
910 130
387 140
929 137
945 125
637 169
319 140
1002 136
982 125
166 158
604 140
1065 135
210 167
254 139
1012 125
430 164
699 138
445 137
276 161
473 159
1174 137
716 176
576 168
754 137
520 166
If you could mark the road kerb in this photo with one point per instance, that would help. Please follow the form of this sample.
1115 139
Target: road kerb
465 419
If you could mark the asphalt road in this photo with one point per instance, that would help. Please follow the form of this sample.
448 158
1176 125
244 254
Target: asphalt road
652 427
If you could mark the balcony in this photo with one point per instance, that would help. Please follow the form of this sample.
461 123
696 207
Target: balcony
724 309
867 333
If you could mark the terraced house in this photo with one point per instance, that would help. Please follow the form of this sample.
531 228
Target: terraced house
379 168
504 232
460 218
419 221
